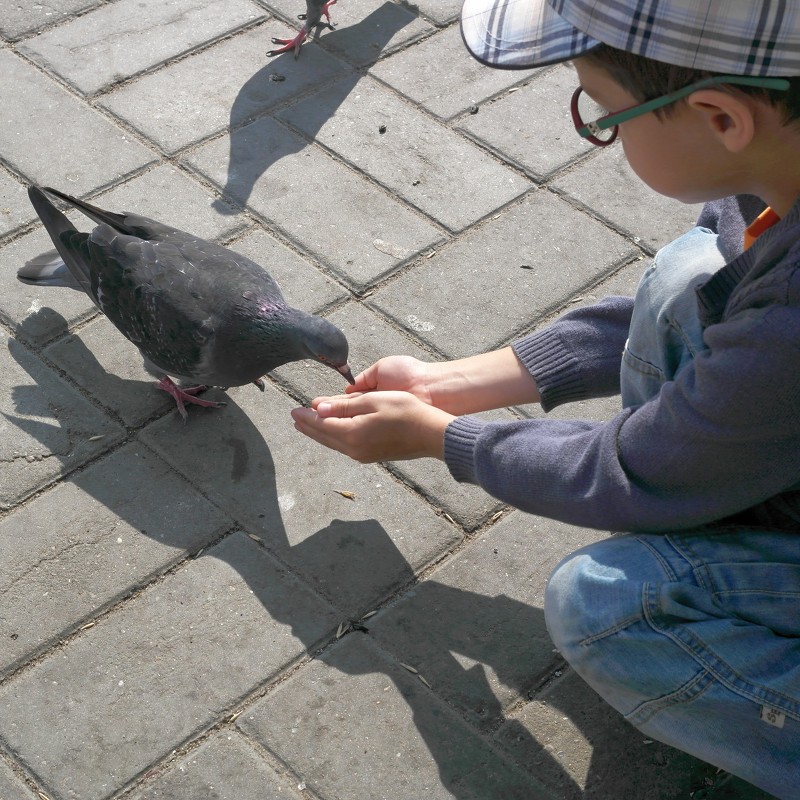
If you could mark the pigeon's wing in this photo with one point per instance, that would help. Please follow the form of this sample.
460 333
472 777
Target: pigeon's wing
172 298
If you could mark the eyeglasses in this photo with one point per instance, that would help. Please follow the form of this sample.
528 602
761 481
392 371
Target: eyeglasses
604 129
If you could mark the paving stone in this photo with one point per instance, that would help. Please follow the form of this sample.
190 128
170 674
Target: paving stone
582 749
207 93
19 18
302 284
532 126
461 82
362 238
475 296
223 768
609 187
169 195
15 208
441 11
108 541
441 173
12 787
103 363
168 664
475 628
32 102
38 314
284 488
365 29
47 429
119 40
371 338
359 725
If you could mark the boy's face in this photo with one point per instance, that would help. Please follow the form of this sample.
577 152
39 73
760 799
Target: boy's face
675 155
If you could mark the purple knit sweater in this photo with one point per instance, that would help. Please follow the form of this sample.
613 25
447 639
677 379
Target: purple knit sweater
720 441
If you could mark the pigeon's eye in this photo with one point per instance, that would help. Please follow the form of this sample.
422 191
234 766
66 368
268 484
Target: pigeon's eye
323 359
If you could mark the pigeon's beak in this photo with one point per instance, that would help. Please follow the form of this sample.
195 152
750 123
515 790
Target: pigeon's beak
345 370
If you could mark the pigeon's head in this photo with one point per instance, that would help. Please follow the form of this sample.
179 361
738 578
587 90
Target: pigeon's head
325 343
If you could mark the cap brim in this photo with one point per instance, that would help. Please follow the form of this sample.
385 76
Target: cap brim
520 34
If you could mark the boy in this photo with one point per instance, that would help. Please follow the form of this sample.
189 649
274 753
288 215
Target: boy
690 626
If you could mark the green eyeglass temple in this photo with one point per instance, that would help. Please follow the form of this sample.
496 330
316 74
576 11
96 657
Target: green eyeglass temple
590 130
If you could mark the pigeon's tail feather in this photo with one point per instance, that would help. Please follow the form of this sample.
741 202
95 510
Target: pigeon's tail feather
60 230
48 269
99 215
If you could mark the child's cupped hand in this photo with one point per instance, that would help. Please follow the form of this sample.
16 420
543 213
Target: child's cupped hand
382 425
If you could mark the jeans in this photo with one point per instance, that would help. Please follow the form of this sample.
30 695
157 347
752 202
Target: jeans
694 636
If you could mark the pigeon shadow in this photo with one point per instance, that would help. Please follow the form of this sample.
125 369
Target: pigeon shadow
355 565
257 142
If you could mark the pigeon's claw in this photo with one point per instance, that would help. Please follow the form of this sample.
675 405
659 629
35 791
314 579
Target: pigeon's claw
289 44
325 9
182 396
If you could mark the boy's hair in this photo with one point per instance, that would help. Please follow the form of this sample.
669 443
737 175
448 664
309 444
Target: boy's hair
647 79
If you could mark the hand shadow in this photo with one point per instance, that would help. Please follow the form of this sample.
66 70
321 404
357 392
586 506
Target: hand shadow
355 565
255 147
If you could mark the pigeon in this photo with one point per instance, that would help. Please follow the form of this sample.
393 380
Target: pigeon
315 9
197 311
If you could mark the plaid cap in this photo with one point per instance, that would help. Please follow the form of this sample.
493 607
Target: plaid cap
739 37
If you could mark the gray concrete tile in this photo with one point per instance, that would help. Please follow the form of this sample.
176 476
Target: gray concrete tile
47 429
119 40
284 488
302 284
440 11
355 724
169 195
532 126
15 209
225 767
461 82
609 187
371 338
38 314
108 541
442 174
475 296
582 749
32 103
12 787
225 85
167 665
361 238
107 366
21 18
475 627
365 29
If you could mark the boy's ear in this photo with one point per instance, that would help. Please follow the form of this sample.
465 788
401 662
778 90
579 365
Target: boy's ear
731 118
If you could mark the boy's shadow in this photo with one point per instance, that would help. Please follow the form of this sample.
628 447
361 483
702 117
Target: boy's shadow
355 565
256 142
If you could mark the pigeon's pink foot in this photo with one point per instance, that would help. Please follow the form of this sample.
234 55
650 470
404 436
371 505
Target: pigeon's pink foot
289 44
325 9
181 396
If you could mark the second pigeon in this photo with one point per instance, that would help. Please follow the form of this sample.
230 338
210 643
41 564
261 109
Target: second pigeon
197 311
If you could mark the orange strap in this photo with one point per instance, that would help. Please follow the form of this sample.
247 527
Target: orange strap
766 219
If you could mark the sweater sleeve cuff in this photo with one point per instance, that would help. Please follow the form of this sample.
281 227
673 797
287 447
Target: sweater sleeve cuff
460 438
553 366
